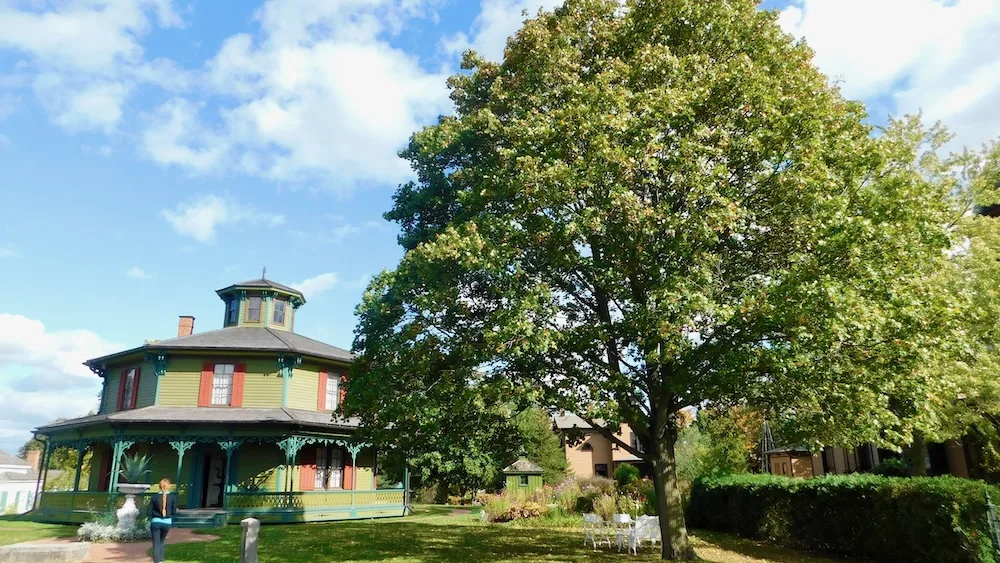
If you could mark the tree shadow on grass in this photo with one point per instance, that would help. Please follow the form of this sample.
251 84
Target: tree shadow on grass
725 548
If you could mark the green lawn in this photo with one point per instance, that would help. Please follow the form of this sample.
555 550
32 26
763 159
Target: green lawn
437 533
14 531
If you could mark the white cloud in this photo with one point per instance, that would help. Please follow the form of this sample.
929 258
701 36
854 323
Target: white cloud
316 285
200 217
318 95
137 273
86 56
42 377
6 252
918 54
497 20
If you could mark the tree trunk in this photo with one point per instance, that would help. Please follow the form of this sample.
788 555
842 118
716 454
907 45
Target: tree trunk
915 455
669 505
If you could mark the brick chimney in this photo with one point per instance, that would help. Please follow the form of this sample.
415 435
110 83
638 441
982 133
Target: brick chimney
185 326
34 457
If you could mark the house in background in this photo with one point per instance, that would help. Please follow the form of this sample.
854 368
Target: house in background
18 482
594 455
242 419
959 458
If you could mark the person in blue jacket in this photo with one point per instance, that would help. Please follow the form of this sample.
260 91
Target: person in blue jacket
162 509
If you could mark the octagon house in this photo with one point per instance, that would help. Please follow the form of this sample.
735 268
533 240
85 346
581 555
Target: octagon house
242 419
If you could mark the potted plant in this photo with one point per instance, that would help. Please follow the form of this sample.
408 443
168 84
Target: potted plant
134 470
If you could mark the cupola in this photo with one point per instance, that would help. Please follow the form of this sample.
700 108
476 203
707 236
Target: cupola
260 303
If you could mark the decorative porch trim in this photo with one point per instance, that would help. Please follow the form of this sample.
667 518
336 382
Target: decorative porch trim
285 367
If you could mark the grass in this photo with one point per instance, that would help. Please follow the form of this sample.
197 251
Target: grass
441 533
15 531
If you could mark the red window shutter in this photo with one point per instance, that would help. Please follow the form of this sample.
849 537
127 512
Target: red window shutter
121 390
239 377
307 471
205 389
321 399
343 389
104 473
348 470
135 388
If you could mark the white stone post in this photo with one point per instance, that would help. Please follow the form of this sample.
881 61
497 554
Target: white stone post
248 547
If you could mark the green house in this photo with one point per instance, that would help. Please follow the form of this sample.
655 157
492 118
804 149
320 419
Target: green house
523 476
242 419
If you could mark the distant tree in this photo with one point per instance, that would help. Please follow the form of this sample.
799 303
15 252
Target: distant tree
541 444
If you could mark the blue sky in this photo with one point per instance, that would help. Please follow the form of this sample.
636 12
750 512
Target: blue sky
156 150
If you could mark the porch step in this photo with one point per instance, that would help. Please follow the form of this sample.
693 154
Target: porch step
200 518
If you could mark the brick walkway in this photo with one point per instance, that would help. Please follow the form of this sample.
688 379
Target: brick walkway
100 552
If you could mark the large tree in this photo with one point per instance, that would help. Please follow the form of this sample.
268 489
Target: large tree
650 206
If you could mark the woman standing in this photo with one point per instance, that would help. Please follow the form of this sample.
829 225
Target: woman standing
162 508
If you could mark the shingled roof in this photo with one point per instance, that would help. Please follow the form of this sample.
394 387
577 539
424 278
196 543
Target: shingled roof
241 338
173 415
262 283
523 465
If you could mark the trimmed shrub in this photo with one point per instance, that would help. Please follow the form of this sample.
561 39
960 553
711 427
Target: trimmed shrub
626 474
929 519
892 467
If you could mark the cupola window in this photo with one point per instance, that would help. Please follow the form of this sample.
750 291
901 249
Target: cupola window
234 311
279 312
253 310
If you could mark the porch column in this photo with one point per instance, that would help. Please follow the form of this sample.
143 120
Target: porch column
120 447
181 447
354 449
229 447
43 471
406 486
81 449
291 447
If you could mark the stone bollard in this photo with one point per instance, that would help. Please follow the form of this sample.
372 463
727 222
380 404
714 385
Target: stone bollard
248 548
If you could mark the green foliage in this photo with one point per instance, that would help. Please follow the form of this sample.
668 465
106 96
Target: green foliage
627 179
626 474
135 468
541 445
892 467
605 506
941 519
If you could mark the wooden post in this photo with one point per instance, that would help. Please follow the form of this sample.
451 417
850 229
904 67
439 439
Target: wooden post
40 485
81 450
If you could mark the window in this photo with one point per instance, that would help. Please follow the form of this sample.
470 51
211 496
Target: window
253 310
129 392
601 469
329 468
332 391
635 442
222 384
523 480
279 312
234 310
587 447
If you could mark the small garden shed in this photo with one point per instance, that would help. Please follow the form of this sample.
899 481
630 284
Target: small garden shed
523 476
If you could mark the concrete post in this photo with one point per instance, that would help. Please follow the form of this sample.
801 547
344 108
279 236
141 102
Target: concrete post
248 547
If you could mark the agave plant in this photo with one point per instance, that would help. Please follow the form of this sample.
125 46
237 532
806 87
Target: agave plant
135 468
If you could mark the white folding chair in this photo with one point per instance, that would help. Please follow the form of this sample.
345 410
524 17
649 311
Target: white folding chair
623 529
592 529
646 528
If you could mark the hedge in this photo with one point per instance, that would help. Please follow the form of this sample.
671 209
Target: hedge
939 519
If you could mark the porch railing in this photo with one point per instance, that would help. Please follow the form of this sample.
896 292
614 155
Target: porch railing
314 499
68 501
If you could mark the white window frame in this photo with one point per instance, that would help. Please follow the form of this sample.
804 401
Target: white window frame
222 384
130 389
332 400
329 468
250 309
279 305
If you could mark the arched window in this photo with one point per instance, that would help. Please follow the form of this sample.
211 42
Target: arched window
587 448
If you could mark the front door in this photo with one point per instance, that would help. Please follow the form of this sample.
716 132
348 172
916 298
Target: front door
214 479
